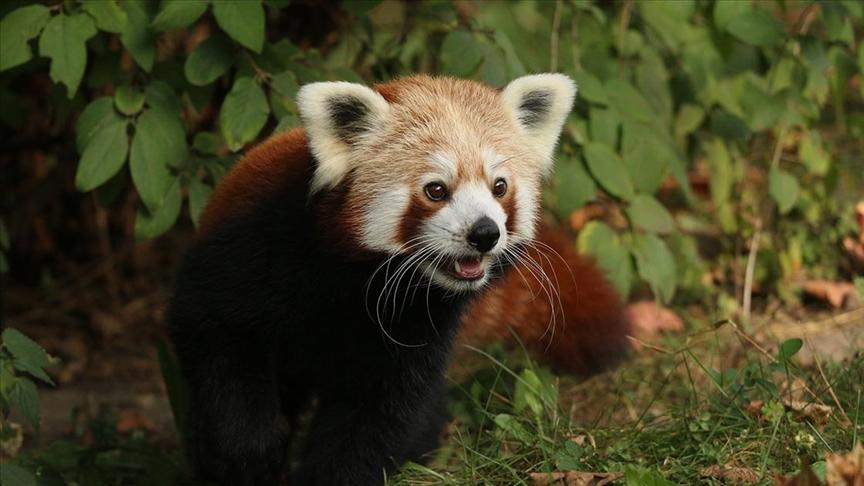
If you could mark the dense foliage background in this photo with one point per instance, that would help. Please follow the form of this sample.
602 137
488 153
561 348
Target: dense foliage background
714 157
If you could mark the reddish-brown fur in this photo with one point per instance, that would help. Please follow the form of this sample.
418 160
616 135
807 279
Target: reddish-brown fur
590 328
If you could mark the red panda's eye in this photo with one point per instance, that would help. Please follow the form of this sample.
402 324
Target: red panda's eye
435 191
499 188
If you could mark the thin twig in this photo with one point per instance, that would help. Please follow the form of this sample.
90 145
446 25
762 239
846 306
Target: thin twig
748 272
827 383
553 39
778 148
624 23
574 43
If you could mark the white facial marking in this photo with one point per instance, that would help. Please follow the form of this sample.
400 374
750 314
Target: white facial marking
445 166
492 161
467 205
382 219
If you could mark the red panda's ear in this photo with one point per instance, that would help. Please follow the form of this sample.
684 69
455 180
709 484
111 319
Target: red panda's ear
540 103
337 116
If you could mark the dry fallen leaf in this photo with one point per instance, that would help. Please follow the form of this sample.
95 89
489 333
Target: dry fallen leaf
10 446
130 420
833 292
649 319
804 478
581 216
845 469
736 475
855 248
754 408
815 412
574 478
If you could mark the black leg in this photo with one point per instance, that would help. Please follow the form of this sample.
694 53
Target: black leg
356 437
430 427
237 431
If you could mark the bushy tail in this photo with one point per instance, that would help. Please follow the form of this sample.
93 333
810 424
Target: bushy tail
582 333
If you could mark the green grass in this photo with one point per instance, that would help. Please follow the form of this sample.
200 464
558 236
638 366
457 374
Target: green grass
660 415
705 398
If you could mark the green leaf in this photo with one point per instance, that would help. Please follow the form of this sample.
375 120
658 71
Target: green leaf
24 395
178 14
758 28
784 188
16 29
813 154
137 37
590 88
206 143
64 41
647 213
96 115
107 14
128 100
512 427
160 96
604 125
210 60
494 69
574 187
243 113
104 154
656 265
287 122
725 11
29 356
629 102
159 143
722 177
243 20
199 193
283 94
460 54
689 118
598 239
527 393
13 474
150 224
608 169
788 349
859 286
646 157
640 476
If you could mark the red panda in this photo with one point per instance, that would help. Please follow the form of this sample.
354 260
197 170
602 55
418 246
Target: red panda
336 262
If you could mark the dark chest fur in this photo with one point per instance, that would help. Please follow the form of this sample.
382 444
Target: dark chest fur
265 314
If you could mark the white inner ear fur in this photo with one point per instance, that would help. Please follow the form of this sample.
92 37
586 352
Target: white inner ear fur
330 143
539 104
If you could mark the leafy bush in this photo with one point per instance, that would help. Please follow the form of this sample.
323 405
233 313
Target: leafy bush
670 92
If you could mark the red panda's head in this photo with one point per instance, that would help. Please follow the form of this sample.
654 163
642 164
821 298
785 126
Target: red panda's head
446 172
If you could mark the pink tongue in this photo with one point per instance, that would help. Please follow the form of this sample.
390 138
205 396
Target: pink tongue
469 268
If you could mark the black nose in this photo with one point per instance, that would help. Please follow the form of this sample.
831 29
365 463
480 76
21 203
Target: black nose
484 234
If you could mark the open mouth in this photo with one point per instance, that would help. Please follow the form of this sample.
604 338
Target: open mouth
468 268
